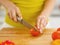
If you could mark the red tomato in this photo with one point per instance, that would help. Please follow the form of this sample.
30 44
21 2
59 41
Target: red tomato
34 33
7 42
58 29
56 35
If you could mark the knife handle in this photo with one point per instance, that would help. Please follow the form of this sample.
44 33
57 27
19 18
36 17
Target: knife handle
19 19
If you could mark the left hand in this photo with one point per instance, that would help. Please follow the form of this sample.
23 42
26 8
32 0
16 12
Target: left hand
42 21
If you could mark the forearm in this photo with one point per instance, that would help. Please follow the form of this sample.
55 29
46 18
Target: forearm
48 7
3 1
6 3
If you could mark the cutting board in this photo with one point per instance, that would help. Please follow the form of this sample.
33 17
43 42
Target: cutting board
23 36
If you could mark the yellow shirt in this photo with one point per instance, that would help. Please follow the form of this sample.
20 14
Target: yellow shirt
30 9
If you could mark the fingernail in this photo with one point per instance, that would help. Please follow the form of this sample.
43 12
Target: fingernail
41 31
38 27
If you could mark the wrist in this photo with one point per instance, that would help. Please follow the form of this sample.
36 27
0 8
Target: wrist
44 14
3 2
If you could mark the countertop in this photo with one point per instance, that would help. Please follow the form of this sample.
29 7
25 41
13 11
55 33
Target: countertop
23 36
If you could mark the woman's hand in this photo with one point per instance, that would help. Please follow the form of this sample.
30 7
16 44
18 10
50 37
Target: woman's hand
42 21
13 10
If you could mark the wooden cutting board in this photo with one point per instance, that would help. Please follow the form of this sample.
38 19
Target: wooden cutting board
23 36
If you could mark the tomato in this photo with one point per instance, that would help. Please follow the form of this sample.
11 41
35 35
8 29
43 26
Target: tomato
7 42
58 29
34 32
56 35
56 42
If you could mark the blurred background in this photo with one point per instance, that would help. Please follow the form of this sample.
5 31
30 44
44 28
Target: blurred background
54 19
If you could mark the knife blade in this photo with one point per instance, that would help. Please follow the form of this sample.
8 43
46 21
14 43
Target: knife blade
26 24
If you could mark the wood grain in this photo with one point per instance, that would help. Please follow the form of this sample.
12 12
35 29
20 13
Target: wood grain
23 36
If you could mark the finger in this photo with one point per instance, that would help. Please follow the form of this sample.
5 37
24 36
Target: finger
44 22
42 25
39 22
10 15
19 13
41 30
14 15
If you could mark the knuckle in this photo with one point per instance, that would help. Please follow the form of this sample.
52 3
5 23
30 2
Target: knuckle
13 10
17 8
9 14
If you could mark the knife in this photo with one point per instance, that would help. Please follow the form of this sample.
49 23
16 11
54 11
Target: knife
26 24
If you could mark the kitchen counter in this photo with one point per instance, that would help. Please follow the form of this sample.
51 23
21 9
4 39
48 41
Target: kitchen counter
23 36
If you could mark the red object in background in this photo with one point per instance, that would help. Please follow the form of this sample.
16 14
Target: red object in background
34 32
56 35
58 29
7 42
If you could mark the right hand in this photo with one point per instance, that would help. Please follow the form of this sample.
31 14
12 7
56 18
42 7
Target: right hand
13 10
